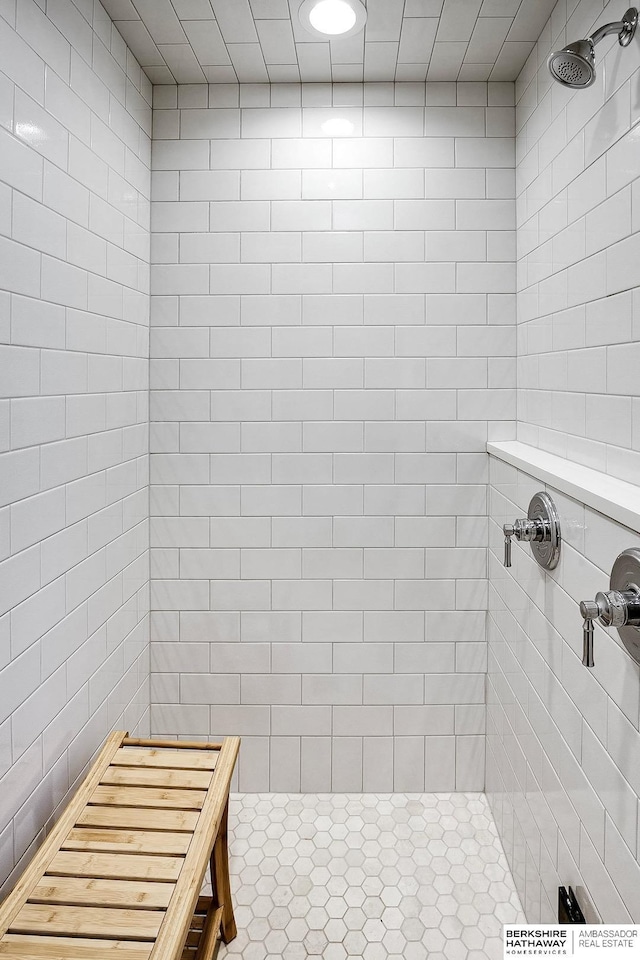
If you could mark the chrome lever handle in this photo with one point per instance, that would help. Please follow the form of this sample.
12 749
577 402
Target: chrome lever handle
590 610
613 608
523 530
617 607
587 639
508 529
540 528
587 644
507 551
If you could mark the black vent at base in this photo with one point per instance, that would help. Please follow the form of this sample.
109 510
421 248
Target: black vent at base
568 907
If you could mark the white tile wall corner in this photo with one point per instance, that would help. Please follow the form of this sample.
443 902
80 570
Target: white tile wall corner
578 177
563 741
332 344
75 126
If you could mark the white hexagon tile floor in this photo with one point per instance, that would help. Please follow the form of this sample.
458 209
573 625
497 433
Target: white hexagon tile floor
379 877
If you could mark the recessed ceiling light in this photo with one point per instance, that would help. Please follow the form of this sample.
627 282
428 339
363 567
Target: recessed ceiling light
332 18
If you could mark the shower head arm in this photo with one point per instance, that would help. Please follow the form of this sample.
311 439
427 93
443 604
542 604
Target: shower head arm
625 29
618 27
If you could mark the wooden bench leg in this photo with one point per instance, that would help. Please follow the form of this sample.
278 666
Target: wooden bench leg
220 880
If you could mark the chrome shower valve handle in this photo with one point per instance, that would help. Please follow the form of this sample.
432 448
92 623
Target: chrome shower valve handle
541 529
509 530
590 611
523 530
611 608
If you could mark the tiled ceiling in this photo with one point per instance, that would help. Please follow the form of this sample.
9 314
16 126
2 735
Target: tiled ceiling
262 41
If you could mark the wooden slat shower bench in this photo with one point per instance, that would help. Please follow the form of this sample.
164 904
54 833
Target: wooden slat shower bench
120 874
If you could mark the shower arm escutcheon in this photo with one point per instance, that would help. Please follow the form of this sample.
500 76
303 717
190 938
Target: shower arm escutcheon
541 528
618 607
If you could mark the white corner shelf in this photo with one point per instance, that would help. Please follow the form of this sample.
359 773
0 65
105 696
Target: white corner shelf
612 497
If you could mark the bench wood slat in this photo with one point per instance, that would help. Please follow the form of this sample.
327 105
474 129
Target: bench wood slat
171 759
64 948
115 866
89 891
175 821
158 777
100 922
127 841
174 744
157 797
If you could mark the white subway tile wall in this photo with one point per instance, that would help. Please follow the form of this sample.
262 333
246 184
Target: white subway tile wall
578 171
332 344
563 740
75 126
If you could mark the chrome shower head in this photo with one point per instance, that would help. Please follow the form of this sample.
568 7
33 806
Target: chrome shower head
575 65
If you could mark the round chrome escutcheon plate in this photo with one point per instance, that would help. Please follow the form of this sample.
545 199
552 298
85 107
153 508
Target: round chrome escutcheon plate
546 552
625 575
